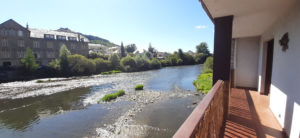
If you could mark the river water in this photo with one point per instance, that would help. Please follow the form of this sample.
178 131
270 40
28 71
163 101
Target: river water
158 111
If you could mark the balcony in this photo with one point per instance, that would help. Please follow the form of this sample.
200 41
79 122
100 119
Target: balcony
231 112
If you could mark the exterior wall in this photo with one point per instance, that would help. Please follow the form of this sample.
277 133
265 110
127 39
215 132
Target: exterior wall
44 54
285 88
247 52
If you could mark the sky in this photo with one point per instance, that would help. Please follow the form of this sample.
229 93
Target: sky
167 24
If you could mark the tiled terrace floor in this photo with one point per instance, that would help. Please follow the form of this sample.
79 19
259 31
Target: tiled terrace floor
250 116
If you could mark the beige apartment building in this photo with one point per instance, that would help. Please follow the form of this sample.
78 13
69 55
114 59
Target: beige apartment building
14 39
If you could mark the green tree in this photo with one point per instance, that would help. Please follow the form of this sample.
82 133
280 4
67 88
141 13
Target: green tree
130 48
203 48
63 59
28 62
115 60
123 53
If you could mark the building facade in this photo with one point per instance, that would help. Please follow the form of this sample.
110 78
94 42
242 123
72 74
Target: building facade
15 39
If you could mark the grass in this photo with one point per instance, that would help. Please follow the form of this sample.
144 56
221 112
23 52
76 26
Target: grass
203 82
110 72
139 87
109 97
42 81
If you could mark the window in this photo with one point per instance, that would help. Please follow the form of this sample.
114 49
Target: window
12 32
49 45
37 55
49 36
20 54
4 43
5 54
20 33
50 55
21 43
2 32
36 44
82 39
72 38
73 46
60 37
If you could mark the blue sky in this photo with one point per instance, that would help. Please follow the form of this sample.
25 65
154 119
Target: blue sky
167 24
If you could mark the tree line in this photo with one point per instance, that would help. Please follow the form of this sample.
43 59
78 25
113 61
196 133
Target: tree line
71 65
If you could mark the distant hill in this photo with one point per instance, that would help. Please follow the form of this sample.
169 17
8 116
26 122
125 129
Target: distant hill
93 39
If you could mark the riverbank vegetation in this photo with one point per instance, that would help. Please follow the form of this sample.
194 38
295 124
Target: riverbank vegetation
204 80
139 87
95 63
109 97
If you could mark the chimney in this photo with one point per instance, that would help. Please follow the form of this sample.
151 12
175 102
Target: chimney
27 26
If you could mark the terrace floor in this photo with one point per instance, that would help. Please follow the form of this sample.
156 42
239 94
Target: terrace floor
250 116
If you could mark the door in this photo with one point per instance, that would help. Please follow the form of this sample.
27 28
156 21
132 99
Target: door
270 50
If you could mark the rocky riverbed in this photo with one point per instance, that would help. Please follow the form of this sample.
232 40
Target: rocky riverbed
126 124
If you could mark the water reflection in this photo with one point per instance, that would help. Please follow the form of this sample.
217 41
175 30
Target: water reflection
19 114
169 78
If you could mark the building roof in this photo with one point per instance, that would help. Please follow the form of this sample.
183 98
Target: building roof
39 33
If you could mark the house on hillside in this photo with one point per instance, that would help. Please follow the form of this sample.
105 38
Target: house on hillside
45 44
105 50
256 77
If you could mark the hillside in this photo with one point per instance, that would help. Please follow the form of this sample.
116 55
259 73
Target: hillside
93 39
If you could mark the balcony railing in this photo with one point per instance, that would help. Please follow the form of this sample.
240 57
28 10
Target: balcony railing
208 117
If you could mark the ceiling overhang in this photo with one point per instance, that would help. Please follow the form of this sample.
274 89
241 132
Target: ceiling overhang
251 17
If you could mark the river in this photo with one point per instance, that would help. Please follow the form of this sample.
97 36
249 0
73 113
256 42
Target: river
69 107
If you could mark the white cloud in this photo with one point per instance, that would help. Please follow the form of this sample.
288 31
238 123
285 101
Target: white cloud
201 27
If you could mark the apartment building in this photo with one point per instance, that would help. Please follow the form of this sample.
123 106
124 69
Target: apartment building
15 39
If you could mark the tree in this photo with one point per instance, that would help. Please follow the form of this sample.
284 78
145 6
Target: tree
115 60
203 48
28 62
123 54
63 59
152 50
181 54
130 48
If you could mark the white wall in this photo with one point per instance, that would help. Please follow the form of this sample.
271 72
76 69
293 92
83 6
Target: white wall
247 54
285 85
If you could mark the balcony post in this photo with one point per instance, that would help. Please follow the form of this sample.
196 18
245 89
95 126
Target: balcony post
222 48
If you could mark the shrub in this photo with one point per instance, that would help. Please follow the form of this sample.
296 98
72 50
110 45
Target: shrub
110 72
164 63
139 87
208 65
179 62
114 60
39 81
155 64
128 64
203 82
142 62
81 65
54 64
102 65
112 96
